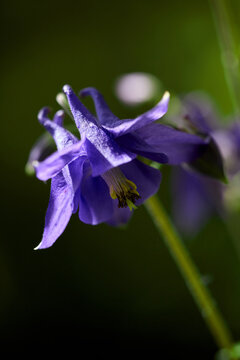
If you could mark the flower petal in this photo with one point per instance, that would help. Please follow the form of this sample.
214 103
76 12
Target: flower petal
75 169
104 158
59 117
62 137
199 112
120 216
82 116
56 162
155 139
58 213
121 127
95 205
103 111
191 203
228 142
146 178
42 148
104 153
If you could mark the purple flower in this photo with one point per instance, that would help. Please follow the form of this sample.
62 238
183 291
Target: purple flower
228 141
196 196
100 175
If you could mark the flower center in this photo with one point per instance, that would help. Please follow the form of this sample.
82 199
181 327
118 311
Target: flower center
121 188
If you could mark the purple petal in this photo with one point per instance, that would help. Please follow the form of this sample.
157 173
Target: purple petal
104 158
82 116
58 213
104 114
235 131
120 216
199 111
76 175
153 140
40 150
95 204
228 142
59 117
146 178
62 137
73 174
56 162
121 127
193 198
104 153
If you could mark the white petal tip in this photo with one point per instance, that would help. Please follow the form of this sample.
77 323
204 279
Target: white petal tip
37 247
67 89
60 113
166 95
35 164
43 113
40 246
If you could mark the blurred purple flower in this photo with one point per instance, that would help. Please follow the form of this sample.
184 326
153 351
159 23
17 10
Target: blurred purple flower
228 141
99 175
196 196
194 199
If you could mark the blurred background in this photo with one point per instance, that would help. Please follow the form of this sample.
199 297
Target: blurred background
99 290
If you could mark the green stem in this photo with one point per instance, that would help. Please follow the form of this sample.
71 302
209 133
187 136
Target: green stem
228 51
232 226
190 274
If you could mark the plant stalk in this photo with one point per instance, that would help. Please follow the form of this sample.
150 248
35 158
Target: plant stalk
229 54
192 277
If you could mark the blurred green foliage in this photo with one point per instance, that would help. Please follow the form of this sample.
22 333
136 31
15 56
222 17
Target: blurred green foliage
117 289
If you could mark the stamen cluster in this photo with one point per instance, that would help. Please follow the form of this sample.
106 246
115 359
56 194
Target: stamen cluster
121 188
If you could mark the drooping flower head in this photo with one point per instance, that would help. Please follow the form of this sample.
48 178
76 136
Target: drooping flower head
195 195
100 176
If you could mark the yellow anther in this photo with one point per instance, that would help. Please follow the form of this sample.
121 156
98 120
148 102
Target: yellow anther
121 188
112 193
131 205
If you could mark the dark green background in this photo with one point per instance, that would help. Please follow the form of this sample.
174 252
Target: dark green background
99 289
